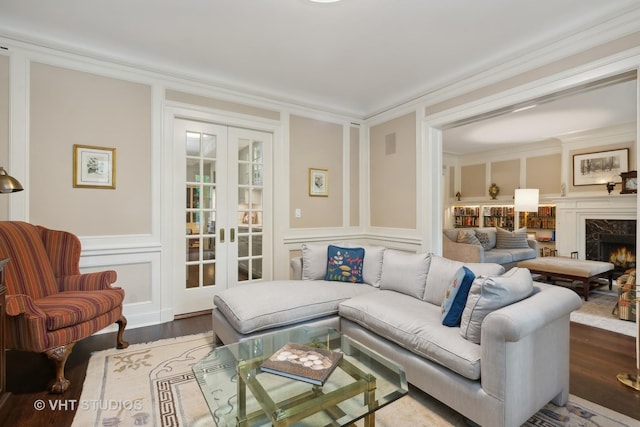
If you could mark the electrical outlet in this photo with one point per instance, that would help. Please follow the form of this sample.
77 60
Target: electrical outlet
298 213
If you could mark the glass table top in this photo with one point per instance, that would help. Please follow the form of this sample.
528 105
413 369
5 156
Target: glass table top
238 393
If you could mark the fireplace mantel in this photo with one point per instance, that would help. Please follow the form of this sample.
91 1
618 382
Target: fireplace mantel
572 212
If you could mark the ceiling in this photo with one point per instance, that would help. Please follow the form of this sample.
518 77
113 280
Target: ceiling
582 111
354 57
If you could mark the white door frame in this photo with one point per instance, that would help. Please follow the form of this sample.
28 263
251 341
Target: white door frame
168 220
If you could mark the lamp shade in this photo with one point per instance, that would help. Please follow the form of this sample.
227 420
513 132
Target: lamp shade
526 200
8 184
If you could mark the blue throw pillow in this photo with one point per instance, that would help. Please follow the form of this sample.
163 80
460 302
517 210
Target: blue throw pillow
345 264
455 298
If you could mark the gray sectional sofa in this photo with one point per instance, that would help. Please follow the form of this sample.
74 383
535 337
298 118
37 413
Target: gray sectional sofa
501 365
465 252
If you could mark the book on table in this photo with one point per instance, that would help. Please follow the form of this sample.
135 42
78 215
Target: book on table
303 363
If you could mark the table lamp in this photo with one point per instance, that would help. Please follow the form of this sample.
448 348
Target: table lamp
8 184
526 200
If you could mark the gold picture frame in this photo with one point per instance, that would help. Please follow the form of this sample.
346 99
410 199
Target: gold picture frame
94 167
318 182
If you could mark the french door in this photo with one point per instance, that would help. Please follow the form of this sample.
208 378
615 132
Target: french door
225 174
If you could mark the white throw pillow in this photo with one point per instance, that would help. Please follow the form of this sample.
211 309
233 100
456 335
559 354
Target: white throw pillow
441 273
489 293
506 239
405 272
372 266
314 261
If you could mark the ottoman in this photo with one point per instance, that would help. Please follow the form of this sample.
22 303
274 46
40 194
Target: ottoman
570 268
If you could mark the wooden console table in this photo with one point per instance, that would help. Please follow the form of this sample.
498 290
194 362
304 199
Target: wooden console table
4 395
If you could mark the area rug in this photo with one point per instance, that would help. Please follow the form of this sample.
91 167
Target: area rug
152 385
598 312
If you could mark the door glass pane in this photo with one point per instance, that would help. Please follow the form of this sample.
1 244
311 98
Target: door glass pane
193 170
244 150
193 144
256 268
243 246
244 174
208 274
200 209
209 146
250 208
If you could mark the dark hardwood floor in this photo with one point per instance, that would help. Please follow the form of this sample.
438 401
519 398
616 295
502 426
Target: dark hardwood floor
597 356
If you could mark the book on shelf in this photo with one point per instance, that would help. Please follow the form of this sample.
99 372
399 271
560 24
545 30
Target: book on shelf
303 363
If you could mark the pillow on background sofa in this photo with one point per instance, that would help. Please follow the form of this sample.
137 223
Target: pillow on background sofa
484 240
468 236
455 298
372 267
516 239
491 293
443 269
405 272
314 261
344 264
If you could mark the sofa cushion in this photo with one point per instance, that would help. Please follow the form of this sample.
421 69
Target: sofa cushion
456 297
283 302
416 327
405 272
314 261
490 293
499 256
441 274
485 268
344 264
372 267
483 238
516 239
522 254
469 237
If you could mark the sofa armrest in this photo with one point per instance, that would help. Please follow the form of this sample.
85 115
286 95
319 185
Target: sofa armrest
464 252
18 304
296 268
527 343
96 281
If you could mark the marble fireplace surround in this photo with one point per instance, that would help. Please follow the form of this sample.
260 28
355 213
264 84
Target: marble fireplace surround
572 213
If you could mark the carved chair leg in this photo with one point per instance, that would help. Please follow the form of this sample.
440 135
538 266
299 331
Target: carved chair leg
122 323
59 356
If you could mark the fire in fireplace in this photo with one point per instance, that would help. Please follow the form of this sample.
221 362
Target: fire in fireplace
612 241
619 250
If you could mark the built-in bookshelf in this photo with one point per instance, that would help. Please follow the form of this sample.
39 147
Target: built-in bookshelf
466 216
498 216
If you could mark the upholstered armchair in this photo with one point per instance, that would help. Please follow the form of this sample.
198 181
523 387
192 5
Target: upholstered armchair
50 305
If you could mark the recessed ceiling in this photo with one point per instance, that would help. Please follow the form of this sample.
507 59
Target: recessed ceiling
356 57
586 110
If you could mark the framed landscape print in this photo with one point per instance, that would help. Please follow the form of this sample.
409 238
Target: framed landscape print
318 182
600 167
94 167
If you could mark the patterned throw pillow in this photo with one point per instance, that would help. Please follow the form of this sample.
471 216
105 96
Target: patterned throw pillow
455 298
468 236
511 239
483 238
345 264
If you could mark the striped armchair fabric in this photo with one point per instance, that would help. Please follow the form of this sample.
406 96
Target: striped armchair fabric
50 305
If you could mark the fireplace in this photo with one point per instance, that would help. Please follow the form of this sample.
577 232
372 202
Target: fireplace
612 241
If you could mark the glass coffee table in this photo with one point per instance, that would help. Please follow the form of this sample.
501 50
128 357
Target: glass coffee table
238 393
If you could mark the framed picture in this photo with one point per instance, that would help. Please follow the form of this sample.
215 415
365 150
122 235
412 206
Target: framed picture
318 182
629 182
94 167
600 167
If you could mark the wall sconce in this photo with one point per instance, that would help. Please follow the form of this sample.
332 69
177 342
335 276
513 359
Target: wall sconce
8 184
610 186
